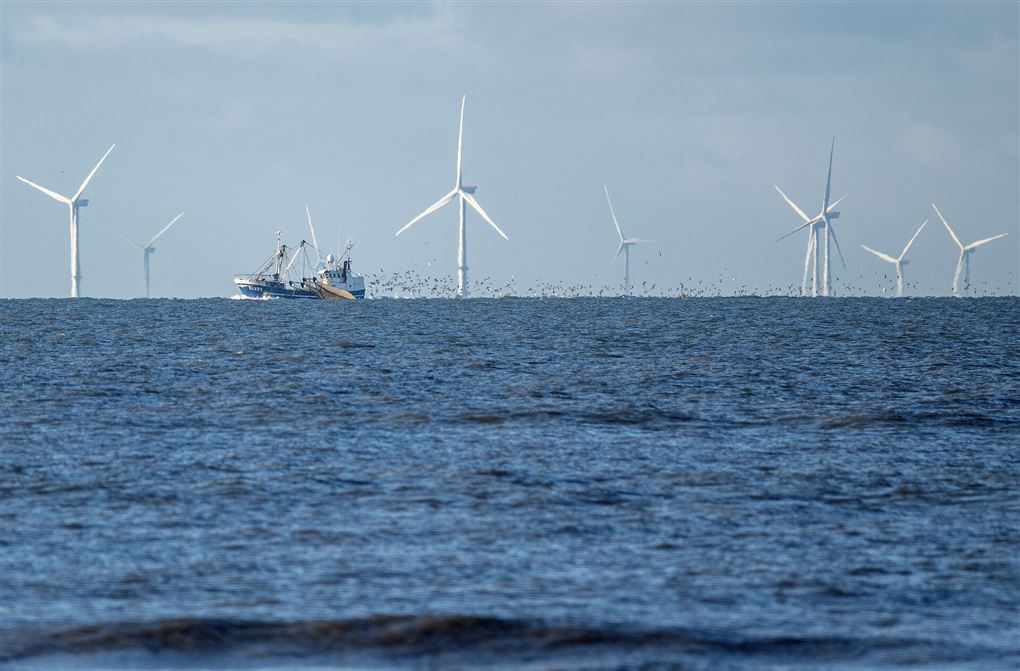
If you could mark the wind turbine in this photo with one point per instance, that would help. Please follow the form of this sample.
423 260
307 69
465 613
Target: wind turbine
965 252
625 244
898 261
73 203
820 224
147 249
464 194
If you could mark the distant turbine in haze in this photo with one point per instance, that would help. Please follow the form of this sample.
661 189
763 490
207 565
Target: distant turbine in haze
315 242
464 194
898 261
965 252
625 244
148 248
73 203
820 224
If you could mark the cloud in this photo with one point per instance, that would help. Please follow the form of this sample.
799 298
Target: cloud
241 36
932 144
607 62
232 115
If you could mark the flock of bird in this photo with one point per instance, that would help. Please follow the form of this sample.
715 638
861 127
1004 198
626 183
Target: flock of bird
816 258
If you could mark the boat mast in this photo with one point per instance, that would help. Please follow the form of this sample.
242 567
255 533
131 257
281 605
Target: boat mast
280 251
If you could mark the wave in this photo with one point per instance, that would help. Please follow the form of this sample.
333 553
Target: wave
396 637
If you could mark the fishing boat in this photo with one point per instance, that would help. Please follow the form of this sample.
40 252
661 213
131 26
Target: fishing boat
325 279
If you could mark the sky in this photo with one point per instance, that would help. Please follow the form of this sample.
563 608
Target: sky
240 114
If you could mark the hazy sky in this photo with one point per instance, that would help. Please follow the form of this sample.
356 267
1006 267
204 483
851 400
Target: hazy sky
239 114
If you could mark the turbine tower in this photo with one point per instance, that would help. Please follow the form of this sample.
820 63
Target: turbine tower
819 225
73 203
464 194
965 252
625 244
898 261
147 249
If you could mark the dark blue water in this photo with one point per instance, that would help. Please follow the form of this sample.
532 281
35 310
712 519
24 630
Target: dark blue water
513 483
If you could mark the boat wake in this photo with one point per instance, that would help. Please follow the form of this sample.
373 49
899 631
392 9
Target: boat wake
239 297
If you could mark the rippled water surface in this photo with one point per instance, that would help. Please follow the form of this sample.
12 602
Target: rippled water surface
515 483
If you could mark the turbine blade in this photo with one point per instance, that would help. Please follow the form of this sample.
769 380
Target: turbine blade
807 259
165 229
948 228
977 244
799 228
315 242
460 139
52 194
792 204
613 213
830 208
89 178
130 242
828 179
618 250
478 208
832 232
884 257
956 275
916 233
432 208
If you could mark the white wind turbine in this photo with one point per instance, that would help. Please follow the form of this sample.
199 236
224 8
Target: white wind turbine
73 203
464 193
820 224
965 252
147 248
898 261
625 244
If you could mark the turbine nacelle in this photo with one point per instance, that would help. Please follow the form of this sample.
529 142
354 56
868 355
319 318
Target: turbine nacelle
468 189
81 202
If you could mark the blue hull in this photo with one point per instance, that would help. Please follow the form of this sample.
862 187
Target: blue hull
270 289
256 289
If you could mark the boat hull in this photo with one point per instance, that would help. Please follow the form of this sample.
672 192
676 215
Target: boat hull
251 288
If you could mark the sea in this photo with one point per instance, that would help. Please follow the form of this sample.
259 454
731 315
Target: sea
514 483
